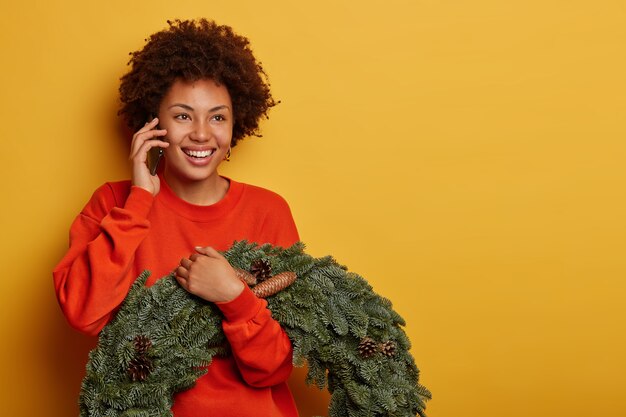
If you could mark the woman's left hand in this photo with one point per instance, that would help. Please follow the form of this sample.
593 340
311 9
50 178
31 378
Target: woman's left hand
208 275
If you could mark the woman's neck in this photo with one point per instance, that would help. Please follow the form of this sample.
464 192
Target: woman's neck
201 193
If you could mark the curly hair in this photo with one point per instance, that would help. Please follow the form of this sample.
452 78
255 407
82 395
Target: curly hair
193 50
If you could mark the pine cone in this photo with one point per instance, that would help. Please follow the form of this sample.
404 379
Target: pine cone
142 344
388 348
274 285
261 269
139 368
367 347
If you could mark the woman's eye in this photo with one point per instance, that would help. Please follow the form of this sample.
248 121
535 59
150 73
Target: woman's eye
182 116
219 118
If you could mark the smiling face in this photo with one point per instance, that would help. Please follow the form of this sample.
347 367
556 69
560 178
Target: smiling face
198 117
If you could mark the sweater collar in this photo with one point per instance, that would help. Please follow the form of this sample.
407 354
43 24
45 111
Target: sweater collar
195 212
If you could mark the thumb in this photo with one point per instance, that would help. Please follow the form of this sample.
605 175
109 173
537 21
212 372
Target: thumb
208 251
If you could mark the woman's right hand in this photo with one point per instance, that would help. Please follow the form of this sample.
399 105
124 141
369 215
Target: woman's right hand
139 148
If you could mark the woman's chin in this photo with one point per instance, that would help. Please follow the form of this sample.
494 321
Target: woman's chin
191 175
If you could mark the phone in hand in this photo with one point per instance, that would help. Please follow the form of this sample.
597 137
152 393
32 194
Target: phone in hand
154 156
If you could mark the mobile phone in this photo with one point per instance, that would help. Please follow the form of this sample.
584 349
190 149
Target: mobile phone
154 156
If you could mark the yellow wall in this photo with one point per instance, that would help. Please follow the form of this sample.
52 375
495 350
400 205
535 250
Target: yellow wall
465 157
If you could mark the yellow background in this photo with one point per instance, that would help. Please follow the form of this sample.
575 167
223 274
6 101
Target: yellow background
466 157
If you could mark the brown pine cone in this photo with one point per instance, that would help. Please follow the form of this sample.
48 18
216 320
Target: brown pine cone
274 285
388 348
367 347
139 368
261 269
141 344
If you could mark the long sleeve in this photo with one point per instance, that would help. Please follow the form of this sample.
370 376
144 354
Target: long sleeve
260 346
94 277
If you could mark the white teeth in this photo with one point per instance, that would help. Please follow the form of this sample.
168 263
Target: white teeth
199 154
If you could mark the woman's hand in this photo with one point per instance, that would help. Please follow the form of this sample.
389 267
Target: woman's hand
139 148
208 275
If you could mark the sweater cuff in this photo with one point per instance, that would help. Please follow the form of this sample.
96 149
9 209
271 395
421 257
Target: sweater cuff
243 308
139 201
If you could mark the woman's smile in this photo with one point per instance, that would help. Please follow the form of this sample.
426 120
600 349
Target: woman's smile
199 157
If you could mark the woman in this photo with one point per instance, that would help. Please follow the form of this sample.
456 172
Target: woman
200 90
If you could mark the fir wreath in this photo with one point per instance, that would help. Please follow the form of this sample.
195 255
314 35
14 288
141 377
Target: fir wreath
162 339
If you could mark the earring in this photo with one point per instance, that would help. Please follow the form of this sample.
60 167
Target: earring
227 157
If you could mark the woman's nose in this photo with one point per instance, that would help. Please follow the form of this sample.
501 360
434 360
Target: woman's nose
201 131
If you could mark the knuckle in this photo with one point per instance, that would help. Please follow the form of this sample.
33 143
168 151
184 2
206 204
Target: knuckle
137 136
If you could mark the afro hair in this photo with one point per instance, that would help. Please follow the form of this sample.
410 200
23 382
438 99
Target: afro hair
192 50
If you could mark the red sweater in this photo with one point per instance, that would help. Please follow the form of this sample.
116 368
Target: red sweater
124 230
